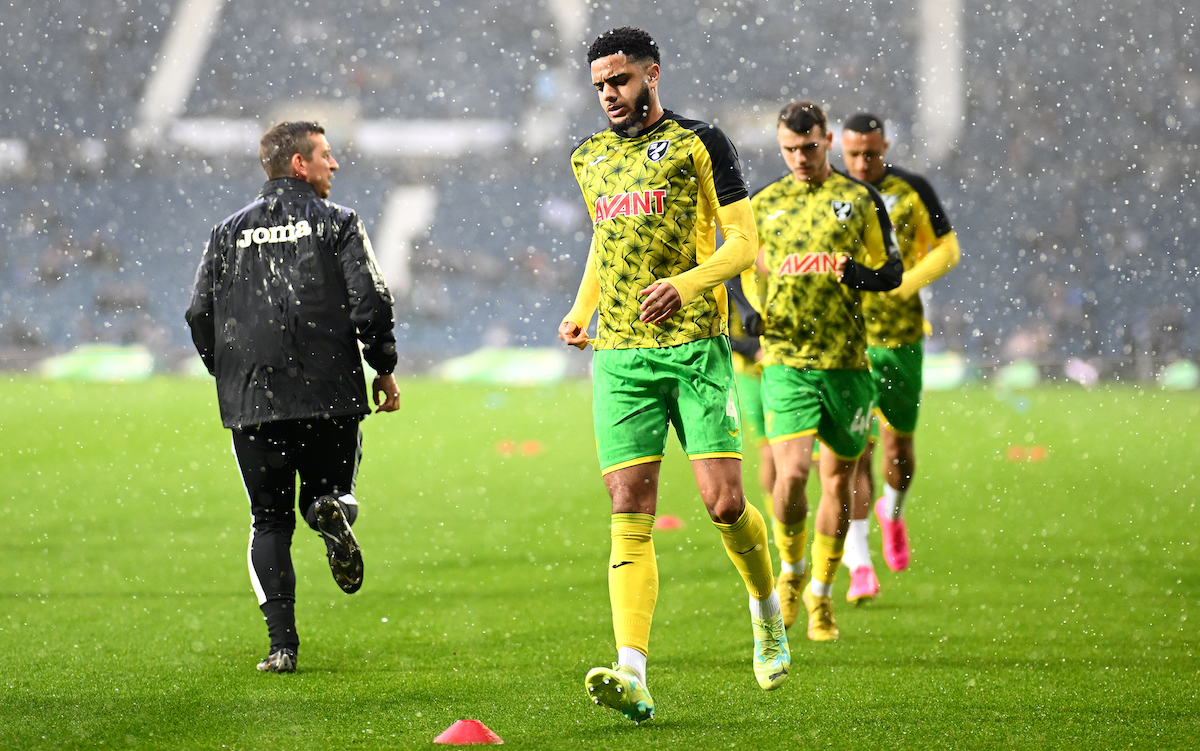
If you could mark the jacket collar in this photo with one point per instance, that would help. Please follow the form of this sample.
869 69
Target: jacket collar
281 185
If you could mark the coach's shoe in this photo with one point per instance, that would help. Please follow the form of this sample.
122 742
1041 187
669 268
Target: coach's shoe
771 656
895 539
864 585
621 689
345 557
821 626
788 587
279 661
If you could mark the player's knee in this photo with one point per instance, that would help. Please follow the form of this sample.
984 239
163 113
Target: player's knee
792 477
268 520
632 499
727 508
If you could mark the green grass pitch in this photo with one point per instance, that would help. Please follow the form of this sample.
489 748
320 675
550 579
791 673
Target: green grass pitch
1050 604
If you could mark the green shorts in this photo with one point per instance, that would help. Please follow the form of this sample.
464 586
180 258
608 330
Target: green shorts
750 391
637 392
834 405
897 375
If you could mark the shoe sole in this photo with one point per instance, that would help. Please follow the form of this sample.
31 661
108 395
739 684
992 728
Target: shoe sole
605 689
340 544
774 680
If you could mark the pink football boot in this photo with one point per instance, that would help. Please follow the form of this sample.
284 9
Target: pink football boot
895 539
864 585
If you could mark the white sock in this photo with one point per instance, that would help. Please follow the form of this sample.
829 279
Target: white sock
793 568
858 551
893 502
819 589
765 609
630 657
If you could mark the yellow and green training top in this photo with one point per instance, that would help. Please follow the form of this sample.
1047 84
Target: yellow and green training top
656 200
810 319
928 249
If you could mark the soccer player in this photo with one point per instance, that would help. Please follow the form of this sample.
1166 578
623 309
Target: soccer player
658 186
286 290
825 237
895 333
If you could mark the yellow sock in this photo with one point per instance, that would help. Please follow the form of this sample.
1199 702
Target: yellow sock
769 505
826 557
632 580
746 543
792 540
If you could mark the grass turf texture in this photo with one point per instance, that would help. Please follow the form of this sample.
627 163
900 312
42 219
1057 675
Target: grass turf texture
1050 604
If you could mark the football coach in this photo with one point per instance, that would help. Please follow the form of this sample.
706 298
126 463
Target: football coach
286 290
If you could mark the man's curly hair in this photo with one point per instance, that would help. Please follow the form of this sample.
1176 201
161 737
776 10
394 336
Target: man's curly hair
637 45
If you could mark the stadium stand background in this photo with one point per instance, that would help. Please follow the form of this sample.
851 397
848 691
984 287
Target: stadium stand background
1072 184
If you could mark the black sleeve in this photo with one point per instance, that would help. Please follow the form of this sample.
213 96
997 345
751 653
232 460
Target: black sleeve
891 273
751 321
727 167
886 277
369 298
937 215
199 313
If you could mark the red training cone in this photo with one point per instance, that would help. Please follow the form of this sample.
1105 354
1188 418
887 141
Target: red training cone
468 732
668 522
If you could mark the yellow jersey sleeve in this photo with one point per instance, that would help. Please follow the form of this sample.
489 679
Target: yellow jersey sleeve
588 296
941 257
723 200
736 254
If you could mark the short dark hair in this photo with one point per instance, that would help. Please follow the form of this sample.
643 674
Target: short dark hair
635 44
864 122
281 141
801 116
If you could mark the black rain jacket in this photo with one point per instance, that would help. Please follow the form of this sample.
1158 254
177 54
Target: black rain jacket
286 289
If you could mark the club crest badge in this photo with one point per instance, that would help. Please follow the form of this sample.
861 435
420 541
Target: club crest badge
842 209
657 150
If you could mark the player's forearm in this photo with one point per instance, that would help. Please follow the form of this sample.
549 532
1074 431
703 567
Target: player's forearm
375 326
942 257
734 256
880 242
369 300
588 296
886 277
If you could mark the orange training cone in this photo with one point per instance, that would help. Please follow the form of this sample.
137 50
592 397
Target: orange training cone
467 732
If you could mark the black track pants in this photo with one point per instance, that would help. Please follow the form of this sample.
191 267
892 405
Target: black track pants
325 453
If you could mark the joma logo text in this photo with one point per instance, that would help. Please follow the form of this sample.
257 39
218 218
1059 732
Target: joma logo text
280 233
